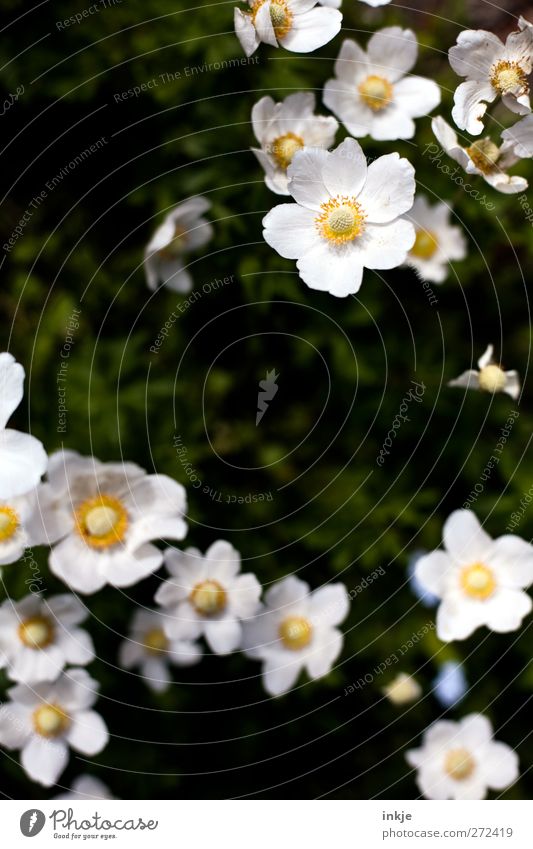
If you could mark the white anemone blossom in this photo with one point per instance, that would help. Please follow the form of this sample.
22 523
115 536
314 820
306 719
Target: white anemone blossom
347 216
283 128
492 69
149 649
39 637
373 93
86 787
437 242
207 596
479 581
461 760
482 157
490 377
108 515
297 25
183 230
43 721
296 629
23 459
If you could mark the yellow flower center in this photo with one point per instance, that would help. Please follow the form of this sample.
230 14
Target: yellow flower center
37 632
208 598
155 641
284 147
9 522
484 154
492 378
477 581
50 720
295 632
376 92
280 15
425 246
459 764
508 77
341 220
102 521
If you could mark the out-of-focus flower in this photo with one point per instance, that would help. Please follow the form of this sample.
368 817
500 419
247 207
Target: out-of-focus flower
492 69
183 230
423 595
450 685
87 787
23 459
461 760
295 630
21 524
296 25
206 595
149 648
482 157
347 216
403 689
490 377
39 637
44 720
373 93
109 514
437 242
480 581
283 128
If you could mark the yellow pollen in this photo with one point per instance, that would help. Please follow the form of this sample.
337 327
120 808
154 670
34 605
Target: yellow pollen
155 641
295 632
341 220
425 246
50 720
459 764
484 154
9 522
280 15
37 632
508 77
376 92
284 147
102 521
492 378
208 598
477 581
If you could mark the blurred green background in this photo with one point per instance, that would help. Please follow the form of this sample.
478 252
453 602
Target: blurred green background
344 366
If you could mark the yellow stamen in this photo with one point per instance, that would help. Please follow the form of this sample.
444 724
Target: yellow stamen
426 245
295 632
377 92
208 598
284 147
477 581
459 764
508 77
102 521
341 220
280 15
37 632
492 378
50 720
9 522
155 641
484 154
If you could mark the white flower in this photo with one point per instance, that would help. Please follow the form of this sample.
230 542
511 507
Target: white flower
296 25
482 157
21 524
23 459
296 630
86 787
183 230
283 128
492 69
207 596
490 377
346 216
44 720
403 689
479 580
520 137
371 92
108 514
437 241
39 637
149 648
461 760
376 2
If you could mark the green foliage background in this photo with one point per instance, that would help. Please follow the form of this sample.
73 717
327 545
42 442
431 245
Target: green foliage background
345 366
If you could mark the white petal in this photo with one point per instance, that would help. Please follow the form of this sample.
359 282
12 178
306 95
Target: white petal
457 621
290 229
512 559
467 380
433 571
393 51
262 114
387 245
245 32
88 732
505 612
329 605
389 189
520 137
471 99
156 674
464 538
126 568
245 593
337 271
322 657
500 766
23 461
475 53
77 646
15 725
158 494
416 96
77 565
512 384
223 636
263 25
312 30
351 64
306 184
487 357
44 760
345 170
289 591
476 730
280 675
223 561
67 608
11 387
